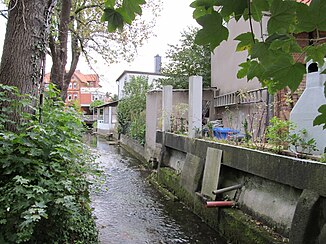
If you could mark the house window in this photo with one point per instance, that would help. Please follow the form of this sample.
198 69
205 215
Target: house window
75 85
70 85
69 97
75 96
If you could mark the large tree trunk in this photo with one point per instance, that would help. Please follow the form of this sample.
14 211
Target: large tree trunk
24 46
59 50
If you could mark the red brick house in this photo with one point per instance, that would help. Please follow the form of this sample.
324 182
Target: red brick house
83 89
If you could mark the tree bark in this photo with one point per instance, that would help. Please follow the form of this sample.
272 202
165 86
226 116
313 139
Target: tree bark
75 51
25 45
59 50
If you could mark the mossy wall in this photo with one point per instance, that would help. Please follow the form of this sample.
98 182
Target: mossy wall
272 193
232 223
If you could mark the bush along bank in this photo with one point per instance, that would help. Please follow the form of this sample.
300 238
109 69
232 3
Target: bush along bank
45 174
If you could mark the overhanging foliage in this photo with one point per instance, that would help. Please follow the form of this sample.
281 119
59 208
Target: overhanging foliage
270 58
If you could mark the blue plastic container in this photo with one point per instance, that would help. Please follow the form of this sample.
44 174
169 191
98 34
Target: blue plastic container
223 133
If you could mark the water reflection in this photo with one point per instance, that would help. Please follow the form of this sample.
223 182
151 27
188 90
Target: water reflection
129 210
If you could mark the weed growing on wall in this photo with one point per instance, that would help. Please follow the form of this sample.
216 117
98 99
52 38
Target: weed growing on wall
45 175
178 120
280 135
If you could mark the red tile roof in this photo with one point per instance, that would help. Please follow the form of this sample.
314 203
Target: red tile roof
85 78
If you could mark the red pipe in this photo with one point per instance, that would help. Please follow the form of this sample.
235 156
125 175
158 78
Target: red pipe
220 204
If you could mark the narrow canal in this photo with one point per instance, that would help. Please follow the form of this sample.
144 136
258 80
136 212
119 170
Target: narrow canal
130 210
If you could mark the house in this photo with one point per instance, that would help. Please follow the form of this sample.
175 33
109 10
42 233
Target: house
127 75
106 117
83 89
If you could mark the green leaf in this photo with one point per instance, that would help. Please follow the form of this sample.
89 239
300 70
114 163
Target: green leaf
251 69
246 41
282 16
109 3
284 73
311 17
201 11
288 45
233 7
2 222
244 69
130 8
257 7
19 179
114 18
260 50
213 32
321 118
204 3
316 53
256 70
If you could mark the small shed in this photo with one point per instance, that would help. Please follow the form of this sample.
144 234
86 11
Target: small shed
106 117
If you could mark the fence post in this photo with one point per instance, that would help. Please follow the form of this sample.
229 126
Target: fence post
166 107
195 105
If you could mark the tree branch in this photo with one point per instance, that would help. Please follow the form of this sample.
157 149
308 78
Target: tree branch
87 7
250 21
52 45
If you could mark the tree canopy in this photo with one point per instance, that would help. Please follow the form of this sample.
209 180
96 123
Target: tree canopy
186 59
81 21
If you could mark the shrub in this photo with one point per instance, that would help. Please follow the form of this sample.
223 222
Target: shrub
278 133
138 128
131 109
45 176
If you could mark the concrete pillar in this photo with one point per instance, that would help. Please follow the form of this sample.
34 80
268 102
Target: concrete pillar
166 107
151 119
195 105
106 115
110 118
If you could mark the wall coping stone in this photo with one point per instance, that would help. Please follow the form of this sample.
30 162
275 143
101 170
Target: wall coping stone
298 173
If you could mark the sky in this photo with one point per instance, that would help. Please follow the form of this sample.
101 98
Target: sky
176 16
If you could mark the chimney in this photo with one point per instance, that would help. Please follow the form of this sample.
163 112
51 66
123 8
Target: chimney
157 64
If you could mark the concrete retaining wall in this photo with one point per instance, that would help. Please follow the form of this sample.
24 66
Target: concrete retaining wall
133 147
284 193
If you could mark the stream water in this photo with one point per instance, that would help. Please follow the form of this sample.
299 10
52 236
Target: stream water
129 210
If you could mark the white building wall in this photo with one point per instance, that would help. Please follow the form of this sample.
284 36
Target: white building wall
225 60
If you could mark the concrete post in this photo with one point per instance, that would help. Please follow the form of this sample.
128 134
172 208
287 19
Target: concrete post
106 115
151 119
195 105
166 107
110 118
